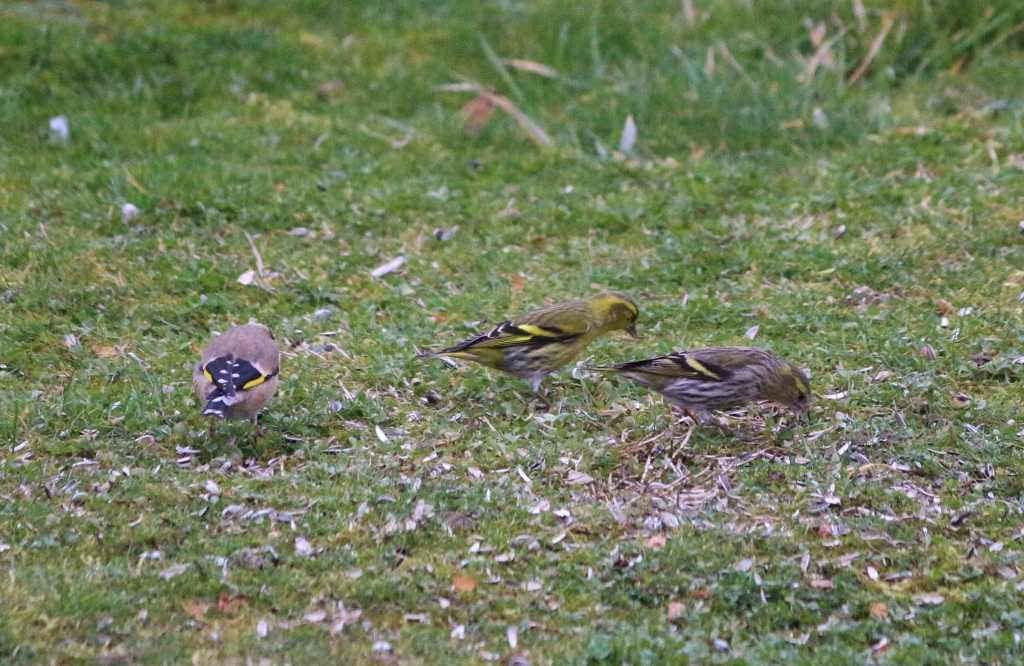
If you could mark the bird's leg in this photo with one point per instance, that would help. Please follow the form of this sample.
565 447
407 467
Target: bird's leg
258 431
545 404
688 418
721 423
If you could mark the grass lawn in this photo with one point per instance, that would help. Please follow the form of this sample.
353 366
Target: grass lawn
844 184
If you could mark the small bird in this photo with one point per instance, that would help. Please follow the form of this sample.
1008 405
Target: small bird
238 373
535 344
719 378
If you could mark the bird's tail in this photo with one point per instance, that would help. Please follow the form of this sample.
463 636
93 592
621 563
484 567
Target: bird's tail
600 368
217 403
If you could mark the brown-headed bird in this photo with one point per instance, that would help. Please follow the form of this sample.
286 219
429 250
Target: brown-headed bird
719 378
237 374
535 344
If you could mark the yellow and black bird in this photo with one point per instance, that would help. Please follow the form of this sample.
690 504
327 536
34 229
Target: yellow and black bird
719 378
238 373
537 343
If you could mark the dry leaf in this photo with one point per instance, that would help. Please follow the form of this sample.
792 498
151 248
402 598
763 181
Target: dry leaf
518 282
389 267
302 547
330 91
743 565
752 332
344 617
676 609
477 112
879 610
532 129
463 583
628 136
229 605
576 477
196 608
532 67
931 599
315 617
171 572
457 87
103 351
656 541
247 277
822 584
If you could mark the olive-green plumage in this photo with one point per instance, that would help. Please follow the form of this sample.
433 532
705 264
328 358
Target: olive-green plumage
537 343
719 378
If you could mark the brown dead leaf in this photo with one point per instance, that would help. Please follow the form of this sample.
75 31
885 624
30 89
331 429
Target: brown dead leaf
700 593
879 610
531 67
822 583
131 181
104 351
463 583
944 307
675 609
656 541
196 608
459 522
231 604
477 112
330 91
826 531
518 282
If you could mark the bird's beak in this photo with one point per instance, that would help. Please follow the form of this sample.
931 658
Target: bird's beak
631 329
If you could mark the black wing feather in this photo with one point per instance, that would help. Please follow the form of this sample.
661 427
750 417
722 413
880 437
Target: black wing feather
229 375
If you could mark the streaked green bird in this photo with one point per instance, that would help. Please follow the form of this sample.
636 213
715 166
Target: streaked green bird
537 343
